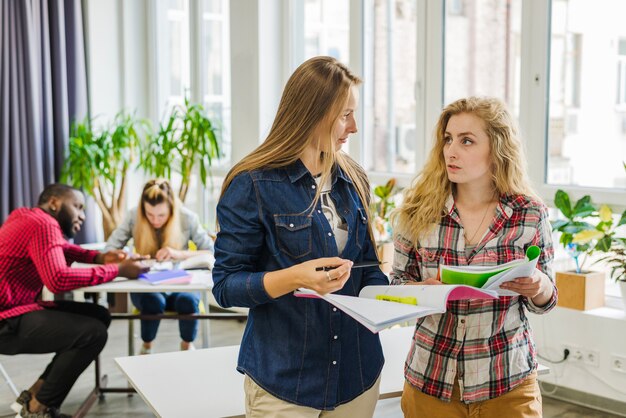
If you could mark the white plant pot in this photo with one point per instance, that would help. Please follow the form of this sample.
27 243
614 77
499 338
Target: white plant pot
622 288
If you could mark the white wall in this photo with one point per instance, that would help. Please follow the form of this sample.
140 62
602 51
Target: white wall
600 331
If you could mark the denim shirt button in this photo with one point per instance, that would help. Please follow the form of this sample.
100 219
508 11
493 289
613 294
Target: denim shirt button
319 211
334 337
330 234
334 309
313 186
334 362
290 225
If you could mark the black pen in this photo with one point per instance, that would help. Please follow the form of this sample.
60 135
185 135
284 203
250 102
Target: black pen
354 266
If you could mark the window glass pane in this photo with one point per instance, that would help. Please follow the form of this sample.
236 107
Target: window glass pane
482 50
216 70
213 6
174 62
213 46
176 81
587 107
390 146
326 29
177 5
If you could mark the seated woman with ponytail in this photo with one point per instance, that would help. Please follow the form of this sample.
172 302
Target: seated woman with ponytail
162 228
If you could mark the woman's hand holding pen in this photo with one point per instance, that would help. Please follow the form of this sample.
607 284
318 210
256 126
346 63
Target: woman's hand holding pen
323 282
280 282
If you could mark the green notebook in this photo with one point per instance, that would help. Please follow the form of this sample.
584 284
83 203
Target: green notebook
485 277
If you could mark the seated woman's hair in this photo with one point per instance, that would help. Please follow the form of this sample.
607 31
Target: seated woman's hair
156 192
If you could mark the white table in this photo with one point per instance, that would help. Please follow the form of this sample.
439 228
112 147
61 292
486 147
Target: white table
205 383
201 281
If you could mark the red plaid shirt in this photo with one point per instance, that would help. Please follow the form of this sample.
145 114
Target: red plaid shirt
34 253
486 344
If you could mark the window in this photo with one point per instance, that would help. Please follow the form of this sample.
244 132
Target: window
215 72
621 77
481 62
391 136
173 74
586 135
326 29
193 59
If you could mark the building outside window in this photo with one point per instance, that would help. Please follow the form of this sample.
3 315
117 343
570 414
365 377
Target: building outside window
586 135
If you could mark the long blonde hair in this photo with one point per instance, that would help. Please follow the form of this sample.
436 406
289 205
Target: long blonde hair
424 202
155 192
314 97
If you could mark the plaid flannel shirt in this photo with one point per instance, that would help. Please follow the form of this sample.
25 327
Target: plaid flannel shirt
486 344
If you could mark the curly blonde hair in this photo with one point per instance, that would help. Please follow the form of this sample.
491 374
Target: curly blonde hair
424 202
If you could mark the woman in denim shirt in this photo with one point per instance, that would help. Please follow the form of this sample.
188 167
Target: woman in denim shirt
295 203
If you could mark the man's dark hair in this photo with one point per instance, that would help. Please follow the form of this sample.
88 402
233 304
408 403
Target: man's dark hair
55 190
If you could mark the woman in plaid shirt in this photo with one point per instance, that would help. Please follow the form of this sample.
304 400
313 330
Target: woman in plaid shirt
473 205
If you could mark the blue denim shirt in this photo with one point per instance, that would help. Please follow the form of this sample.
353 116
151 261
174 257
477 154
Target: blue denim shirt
301 350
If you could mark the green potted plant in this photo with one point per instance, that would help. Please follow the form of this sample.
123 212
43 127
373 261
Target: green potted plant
585 230
187 139
98 162
380 209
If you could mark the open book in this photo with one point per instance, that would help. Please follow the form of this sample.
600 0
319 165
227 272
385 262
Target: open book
379 307
491 277
166 277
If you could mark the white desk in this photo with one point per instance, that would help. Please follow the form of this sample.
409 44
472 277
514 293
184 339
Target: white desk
205 383
201 281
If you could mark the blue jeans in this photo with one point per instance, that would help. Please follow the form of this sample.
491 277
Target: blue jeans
157 303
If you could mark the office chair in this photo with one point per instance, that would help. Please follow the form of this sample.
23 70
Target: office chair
8 381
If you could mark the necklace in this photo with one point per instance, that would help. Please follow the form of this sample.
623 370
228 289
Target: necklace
471 240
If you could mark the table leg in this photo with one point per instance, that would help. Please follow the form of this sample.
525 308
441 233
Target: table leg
206 326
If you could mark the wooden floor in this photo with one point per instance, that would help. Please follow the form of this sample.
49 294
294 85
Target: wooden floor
24 370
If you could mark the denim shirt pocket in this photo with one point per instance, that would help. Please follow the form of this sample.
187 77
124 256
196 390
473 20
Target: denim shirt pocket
361 227
294 235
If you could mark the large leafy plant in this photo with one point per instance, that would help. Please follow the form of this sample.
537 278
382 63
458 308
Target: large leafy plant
99 160
586 228
188 138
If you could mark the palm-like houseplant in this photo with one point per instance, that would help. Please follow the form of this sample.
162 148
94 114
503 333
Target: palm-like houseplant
187 138
99 160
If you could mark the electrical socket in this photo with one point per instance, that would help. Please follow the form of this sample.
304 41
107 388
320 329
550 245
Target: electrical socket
618 363
591 358
576 353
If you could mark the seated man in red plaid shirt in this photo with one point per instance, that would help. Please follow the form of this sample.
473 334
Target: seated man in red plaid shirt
34 253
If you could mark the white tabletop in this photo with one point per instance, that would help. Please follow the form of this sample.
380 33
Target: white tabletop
205 383
201 281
